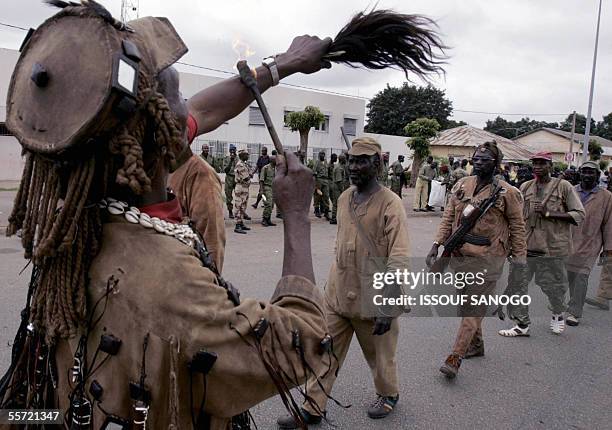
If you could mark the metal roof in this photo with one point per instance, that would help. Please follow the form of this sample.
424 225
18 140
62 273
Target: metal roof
578 138
470 136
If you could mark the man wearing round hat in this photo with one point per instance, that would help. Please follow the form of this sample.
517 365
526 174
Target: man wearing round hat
551 207
592 237
110 335
372 237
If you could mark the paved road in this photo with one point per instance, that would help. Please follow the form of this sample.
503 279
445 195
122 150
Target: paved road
542 382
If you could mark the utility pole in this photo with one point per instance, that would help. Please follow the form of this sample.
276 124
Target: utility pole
129 10
585 143
571 151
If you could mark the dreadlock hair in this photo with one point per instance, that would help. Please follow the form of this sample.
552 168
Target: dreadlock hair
57 210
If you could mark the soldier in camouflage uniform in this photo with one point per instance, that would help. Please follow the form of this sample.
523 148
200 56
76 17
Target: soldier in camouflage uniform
265 181
397 170
241 190
229 166
333 191
340 182
321 194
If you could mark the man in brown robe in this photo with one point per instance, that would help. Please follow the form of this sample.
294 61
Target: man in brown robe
372 228
590 238
131 324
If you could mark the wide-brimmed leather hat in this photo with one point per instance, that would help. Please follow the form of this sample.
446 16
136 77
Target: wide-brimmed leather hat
82 73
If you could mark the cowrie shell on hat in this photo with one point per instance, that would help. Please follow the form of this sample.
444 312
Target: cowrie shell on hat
159 228
116 208
146 216
132 217
103 204
135 210
145 222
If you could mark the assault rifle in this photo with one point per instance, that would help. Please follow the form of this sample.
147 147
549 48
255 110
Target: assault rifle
462 234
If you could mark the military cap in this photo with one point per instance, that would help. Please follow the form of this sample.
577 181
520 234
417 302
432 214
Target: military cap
243 151
232 147
365 146
590 164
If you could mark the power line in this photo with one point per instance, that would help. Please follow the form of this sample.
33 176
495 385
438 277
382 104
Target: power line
510 114
336 92
281 83
14 26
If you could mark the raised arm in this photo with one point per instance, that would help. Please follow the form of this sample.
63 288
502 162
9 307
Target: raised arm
221 102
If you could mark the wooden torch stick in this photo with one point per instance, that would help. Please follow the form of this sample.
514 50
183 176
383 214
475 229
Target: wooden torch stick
246 75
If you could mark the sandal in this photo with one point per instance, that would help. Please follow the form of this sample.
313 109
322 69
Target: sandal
515 331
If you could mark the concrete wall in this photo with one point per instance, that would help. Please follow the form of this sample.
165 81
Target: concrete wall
543 140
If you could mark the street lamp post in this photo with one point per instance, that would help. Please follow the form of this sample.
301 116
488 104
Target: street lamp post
585 144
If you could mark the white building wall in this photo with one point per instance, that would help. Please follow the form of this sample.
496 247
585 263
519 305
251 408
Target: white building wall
277 99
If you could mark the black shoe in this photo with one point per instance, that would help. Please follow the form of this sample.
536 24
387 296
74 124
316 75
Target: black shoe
333 221
264 222
244 227
254 205
231 214
270 223
238 229
382 407
279 216
246 217
288 422
317 213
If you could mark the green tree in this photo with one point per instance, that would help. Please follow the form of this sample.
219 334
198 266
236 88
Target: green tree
303 121
580 124
595 150
421 131
392 108
604 128
512 129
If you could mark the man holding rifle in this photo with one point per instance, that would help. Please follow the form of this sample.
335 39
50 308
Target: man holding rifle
551 207
483 221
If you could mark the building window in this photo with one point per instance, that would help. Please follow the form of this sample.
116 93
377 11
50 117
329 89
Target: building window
323 126
255 116
350 126
4 131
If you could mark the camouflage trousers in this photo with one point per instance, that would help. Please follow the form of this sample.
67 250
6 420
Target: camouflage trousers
269 202
241 197
334 193
551 276
321 201
230 184
396 186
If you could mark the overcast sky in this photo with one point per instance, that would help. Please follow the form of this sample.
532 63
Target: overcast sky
519 56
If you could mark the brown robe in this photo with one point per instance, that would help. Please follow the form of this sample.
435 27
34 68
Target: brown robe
594 233
164 291
198 189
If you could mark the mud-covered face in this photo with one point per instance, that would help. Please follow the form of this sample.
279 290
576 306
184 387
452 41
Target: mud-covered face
588 177
484 163
541 167
363 169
